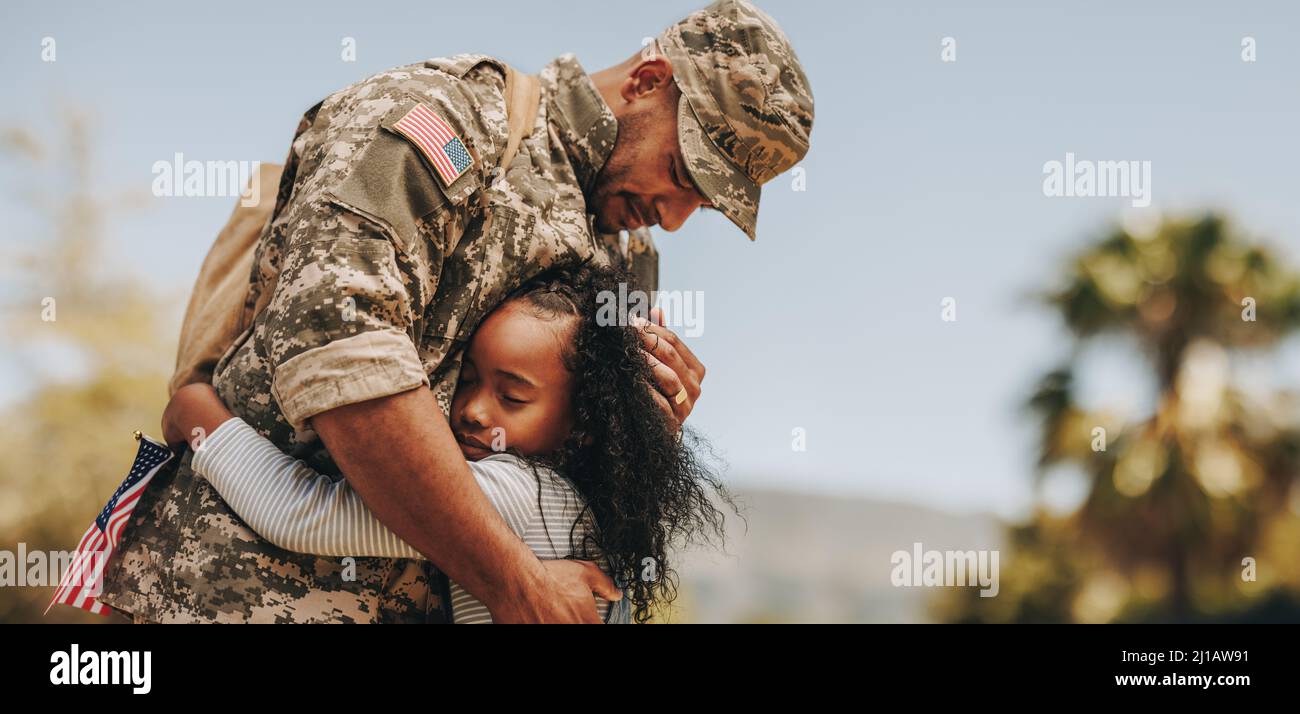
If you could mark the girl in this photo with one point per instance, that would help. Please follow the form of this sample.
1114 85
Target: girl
554 412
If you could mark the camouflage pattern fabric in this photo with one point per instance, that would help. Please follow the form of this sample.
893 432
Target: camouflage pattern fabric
380 272
748 112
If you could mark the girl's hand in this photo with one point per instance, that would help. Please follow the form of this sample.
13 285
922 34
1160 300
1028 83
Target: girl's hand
194 412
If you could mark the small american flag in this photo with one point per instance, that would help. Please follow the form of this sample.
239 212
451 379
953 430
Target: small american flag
437 141
82 582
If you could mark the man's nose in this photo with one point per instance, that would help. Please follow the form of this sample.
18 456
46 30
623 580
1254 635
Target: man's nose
674 212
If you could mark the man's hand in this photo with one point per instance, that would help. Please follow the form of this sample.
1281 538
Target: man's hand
573 582
399 455
677 372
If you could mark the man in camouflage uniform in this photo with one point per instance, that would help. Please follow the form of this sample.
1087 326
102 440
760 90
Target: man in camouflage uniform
382 261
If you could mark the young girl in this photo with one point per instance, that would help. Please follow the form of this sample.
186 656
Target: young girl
553 410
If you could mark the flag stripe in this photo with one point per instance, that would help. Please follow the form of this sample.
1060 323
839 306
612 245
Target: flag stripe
82 581
425 135
435 138
442 165
436 126
435 155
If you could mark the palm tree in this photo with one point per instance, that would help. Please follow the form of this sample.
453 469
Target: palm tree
1183 493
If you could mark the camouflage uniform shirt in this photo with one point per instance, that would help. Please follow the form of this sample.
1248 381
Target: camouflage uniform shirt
379 273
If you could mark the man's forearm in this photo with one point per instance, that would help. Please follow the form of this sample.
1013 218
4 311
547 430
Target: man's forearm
399 455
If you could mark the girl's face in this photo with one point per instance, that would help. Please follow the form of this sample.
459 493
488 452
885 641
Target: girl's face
514 391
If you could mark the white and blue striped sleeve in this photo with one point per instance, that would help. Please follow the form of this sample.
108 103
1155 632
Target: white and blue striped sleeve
511 487
299 509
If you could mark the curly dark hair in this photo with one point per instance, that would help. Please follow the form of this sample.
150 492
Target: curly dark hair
646 486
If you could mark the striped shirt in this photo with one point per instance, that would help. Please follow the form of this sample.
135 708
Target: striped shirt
301 510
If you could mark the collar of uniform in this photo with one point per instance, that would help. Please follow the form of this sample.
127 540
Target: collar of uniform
584 121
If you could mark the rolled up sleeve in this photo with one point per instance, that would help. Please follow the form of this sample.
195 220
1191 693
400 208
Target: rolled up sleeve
355 369
341 323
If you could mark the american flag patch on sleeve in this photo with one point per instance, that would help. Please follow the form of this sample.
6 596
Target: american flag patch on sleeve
437 141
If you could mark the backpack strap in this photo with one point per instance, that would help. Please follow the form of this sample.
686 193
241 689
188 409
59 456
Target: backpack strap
523 94
217 313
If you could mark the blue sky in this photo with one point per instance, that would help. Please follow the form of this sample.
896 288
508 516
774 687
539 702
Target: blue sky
924 182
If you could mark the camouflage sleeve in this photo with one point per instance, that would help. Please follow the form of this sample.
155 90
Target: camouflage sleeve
340 325
368 240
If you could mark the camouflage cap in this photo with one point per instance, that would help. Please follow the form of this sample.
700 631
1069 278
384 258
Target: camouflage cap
748 108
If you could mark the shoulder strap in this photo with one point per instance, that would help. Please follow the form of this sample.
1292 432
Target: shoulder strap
523 93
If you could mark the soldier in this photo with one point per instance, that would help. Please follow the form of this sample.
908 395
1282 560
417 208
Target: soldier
392 235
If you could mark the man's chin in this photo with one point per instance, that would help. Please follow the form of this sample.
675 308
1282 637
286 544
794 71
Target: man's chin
610 215
605 226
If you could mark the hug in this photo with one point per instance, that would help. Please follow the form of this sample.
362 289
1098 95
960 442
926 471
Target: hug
409 410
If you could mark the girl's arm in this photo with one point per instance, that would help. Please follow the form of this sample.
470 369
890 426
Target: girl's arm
298 509
287 502
194 411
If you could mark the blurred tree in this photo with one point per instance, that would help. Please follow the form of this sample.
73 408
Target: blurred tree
1176 500
67 437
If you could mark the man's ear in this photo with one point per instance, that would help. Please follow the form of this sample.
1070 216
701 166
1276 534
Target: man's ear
646 78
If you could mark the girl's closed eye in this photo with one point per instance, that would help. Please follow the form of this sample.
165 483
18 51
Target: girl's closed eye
517 390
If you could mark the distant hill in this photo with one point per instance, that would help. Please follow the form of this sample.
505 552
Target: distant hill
808 558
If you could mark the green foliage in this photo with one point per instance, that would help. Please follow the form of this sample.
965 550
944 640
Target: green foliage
1179 498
